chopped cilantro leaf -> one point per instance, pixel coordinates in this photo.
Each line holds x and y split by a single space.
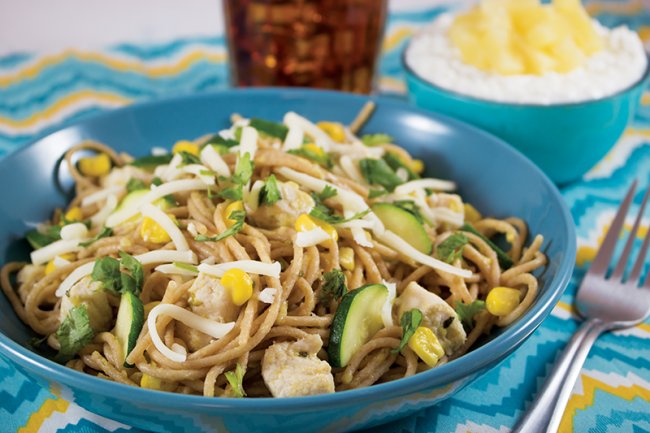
272 129
73 333
333 286
452 248
409 322
320 158
236 381
238 216
378 172
466 312
270 192
135 184
103 233
151 161
396 163
188 158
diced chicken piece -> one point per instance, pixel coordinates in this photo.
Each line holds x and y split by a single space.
207 298
284 212
437 315
92 295
120 176
27 274
292 369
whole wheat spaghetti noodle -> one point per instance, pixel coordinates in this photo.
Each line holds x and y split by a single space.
271 259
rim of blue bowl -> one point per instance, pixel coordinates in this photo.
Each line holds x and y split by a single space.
462 367
475 99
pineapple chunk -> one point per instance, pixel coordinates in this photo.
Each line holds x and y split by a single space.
509 37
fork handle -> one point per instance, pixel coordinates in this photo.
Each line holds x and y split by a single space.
545 413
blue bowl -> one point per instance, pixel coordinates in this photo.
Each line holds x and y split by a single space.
493 176
564 140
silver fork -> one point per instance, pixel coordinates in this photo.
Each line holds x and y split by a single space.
606 303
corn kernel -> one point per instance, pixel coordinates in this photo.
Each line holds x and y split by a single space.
239 284
502 301
471 214
153 382
95 166
151 231
235 205
315 149
426 346
51 266
346 258
334 129
73 215
417 166
186 146
305 223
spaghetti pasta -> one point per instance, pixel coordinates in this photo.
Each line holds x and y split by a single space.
257 253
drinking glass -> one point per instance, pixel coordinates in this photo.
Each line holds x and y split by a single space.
330 44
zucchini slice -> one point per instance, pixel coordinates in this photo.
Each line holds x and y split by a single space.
131 198
357 319
405 225
135 196
130 318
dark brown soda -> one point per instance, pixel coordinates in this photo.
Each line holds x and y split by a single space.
330 44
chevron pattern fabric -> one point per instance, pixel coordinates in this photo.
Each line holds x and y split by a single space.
39 94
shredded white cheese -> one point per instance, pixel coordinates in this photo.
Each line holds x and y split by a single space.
420 184
210 327
191 228
294 138
311 237
252 197
171 171
167 224
268 295
358 223
200 171
73 277
48 252
401 246
166 256
350 168
60 262
171 268
248 143
211 158
101 195
293 120
156 193
250 266
100 217
361 237
74 231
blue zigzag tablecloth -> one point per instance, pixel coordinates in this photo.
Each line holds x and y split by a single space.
38 94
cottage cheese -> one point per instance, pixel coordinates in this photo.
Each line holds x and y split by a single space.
620 64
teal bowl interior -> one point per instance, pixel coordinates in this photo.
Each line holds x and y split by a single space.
490 174
564 140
